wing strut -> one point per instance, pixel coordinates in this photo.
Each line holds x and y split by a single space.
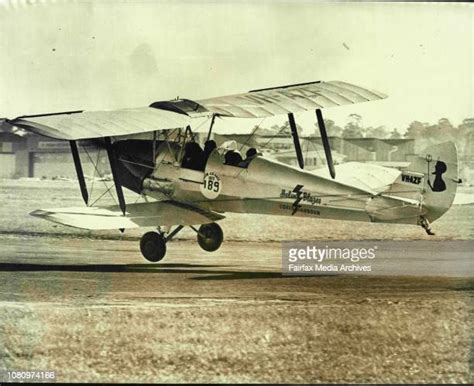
296 140
325 141
79 171
115 174
210 127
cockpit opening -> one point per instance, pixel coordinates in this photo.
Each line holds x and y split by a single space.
195 157
234 158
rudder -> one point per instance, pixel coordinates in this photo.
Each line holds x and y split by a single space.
437 166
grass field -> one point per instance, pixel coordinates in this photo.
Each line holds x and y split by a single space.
341 331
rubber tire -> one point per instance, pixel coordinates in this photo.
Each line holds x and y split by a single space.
213 237
153 246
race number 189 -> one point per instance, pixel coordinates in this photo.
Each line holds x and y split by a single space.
211 186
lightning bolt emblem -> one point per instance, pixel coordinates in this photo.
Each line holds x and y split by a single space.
296 204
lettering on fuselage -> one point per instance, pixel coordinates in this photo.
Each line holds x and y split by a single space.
314 212
299 196
411 179
303 196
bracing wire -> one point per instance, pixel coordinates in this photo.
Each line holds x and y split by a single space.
254 130
273 137
96 170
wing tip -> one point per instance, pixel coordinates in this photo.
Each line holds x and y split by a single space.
379 94
39 213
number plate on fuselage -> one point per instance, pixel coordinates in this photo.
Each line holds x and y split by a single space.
211 186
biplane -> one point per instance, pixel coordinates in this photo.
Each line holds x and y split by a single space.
194 184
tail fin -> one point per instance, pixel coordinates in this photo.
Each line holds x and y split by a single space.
435 171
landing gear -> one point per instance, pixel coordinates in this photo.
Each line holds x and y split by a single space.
425 224
153 246
210 237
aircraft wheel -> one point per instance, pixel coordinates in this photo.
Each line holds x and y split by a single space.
210 237
153 246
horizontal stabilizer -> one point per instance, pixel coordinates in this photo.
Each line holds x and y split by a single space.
365 176
149 214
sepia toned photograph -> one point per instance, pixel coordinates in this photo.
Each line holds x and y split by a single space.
236 192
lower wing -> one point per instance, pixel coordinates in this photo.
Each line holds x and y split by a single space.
163 213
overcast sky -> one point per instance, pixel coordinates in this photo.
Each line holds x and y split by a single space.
121 54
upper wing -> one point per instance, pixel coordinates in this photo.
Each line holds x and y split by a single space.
163 213
98 124
289 99
177 113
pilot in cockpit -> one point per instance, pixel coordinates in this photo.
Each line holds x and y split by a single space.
195 157
233 157
192 154
249 156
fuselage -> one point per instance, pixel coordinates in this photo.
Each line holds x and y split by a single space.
264 186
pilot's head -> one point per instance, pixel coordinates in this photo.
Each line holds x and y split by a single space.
252 152
210 145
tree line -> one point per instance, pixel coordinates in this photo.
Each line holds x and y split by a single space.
442 130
